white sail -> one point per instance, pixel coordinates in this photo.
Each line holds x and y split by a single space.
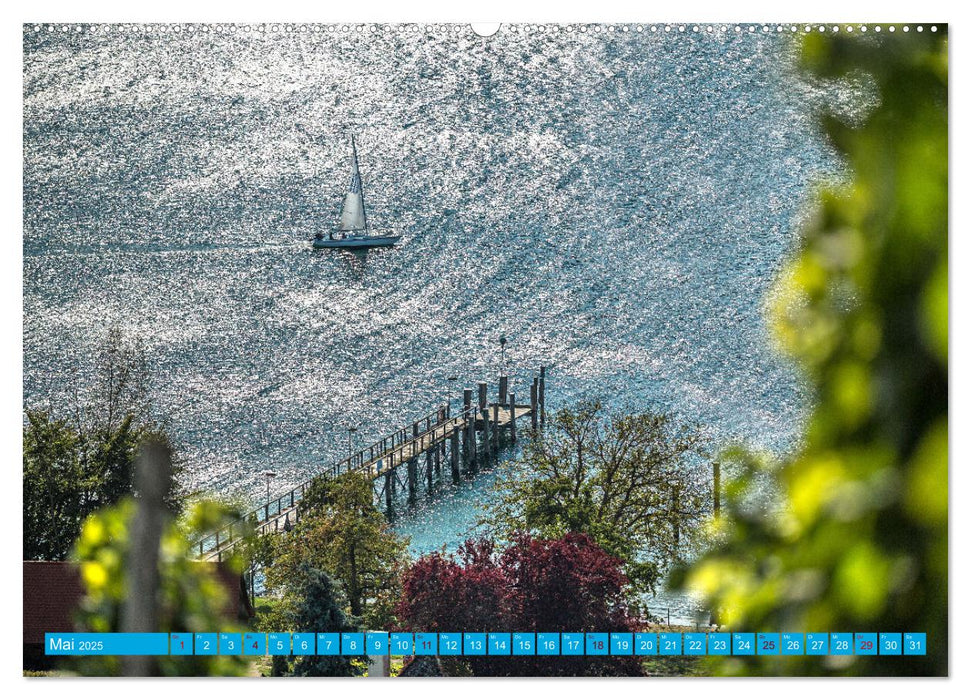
353 217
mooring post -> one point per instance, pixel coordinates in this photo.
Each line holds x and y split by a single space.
534 403
503 388
388 487
495 426
430 467
486 442
454 448
466 401
473 455
512 417
542 394
483 389
413 465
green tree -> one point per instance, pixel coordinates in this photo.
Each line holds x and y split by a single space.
313 603
52 487
341 532
861 540
84 460
635 482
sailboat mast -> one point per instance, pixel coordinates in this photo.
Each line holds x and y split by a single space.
357 169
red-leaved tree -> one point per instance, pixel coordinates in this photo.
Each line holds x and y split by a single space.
567 584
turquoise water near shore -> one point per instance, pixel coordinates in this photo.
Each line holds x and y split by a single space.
617 204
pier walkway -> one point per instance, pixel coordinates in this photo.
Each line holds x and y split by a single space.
404 460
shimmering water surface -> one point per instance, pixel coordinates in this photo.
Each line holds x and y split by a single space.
617 203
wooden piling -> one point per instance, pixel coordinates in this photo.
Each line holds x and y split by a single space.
542 394
466 400
388 487
512 417
503 388
486 443
413 467
495 426
483 392
454 448
534 403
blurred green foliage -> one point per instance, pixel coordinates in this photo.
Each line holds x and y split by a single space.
860 543
191 597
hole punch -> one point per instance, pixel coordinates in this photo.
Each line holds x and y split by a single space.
485 29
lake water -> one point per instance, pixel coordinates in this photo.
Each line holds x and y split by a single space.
616 203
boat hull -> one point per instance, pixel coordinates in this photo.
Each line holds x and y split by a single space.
363 242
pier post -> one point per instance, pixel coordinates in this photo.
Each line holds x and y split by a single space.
413 465
454 440
486 442
466 400
534 403
512 417
542 394
473 455
503 388
483 391
430 468
495 426
388 488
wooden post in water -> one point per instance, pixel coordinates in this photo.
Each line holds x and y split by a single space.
495 426
512 417
454 446
486 442
483 392
534 403
466 400
473 454
388 487
413 465
542 395
503 388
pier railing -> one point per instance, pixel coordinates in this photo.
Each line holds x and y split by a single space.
384 455
286 502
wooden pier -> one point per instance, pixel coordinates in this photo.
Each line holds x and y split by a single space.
406 460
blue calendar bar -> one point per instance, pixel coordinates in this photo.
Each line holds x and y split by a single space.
491 644
106 644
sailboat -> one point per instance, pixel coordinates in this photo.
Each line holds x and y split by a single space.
353 231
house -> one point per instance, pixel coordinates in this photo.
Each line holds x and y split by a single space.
53 590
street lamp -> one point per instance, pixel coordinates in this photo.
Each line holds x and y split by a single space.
350 441
268 475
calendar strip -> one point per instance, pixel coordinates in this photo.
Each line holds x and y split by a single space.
489 644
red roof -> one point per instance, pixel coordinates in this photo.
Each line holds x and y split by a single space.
52 591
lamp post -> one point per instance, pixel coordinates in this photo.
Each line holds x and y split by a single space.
268 475
350 443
